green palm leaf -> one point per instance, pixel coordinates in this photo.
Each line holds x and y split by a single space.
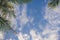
7 6
20 1
7 9
53 3
4 25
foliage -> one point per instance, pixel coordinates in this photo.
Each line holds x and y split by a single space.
7 8
53 3
4 25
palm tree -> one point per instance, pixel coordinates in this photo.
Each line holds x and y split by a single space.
53 3
7 9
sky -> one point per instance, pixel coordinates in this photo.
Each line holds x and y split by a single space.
35 21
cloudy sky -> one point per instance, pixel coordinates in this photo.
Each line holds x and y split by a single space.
35 21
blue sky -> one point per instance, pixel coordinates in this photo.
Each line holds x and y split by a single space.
34 21
37 9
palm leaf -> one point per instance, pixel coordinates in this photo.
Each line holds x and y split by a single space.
7 6
20 1
4 25
7 9
53 3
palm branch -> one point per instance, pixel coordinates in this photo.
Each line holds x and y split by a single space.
4 25
7 6
53 3
7 9
20 1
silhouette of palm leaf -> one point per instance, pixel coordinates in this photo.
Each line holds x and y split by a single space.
4 25
20 1
53 3
7 6
7 9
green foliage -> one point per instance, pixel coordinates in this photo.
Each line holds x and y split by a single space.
4 25
8 9
7 6
20 1
53 3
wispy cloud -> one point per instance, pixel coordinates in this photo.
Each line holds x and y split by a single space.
1 35
52 16
50 30
35 35
51 27
22 36
48 33
23 17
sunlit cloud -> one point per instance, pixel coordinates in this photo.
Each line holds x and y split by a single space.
51 37
23 16
10 39
52 16
50 33
49 30
35 35
20 36
1 35
23 36
51 27
13 23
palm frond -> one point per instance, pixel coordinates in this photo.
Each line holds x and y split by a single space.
8 9
20 1
4 25
7 6
53 3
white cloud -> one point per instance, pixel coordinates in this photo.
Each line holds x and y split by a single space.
10 39
52 16
51 37
31 20
23 36
13 23
20 36
51 28
1 35
50 33
35 36
23 17
17 9
26 36
47 34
